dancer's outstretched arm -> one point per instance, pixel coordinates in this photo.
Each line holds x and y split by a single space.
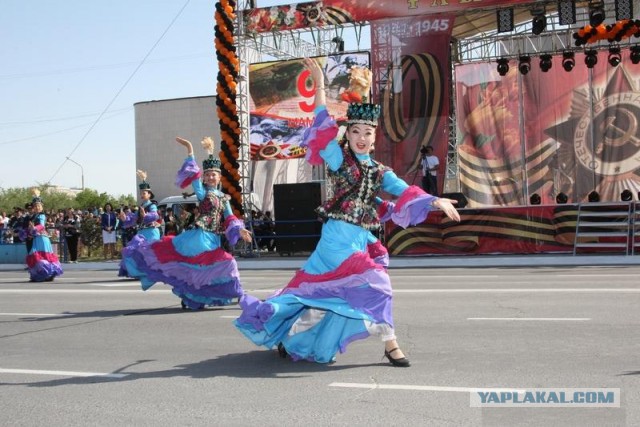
186 144
318 78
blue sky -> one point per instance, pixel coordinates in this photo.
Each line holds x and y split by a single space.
63 64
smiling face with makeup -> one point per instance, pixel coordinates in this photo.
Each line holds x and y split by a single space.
361 137
145 195
211 178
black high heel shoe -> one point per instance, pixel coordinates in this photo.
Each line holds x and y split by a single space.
402 362
282 351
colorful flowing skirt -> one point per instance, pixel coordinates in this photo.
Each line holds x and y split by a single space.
342 293
42 262
200 272
128 265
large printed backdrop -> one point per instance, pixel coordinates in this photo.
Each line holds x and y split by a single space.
282 102
546 133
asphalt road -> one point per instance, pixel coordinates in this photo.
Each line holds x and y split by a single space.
92 349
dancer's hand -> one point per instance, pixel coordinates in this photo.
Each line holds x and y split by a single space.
316 71
245 235
186 144
318 78
446 206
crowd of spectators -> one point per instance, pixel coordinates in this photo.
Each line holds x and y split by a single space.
76 232
72 231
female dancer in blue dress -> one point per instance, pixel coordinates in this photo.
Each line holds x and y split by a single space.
343 292
194 263
42 262
148 228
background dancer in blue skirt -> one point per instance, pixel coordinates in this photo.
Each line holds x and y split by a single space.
194 263
148 228
343 292
42 262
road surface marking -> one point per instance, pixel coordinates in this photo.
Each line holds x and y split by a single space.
421 387
534 319
82 291
61 373
397 291
35 314
519 290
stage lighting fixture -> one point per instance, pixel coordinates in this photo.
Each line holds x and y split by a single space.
525 64
593 197
503 66
568 61
596 13
591 58
624 10
626 196
566 12
539 21
535 199
546 62
635 54
614 56
561 198
505 20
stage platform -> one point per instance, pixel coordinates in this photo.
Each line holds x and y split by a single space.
539 229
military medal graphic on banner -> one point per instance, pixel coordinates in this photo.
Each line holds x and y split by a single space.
603 140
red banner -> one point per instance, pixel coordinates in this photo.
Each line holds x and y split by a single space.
334 12
285 17
410 62
372 10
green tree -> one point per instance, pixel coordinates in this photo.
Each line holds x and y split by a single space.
127 200
14 197
56 200
88 199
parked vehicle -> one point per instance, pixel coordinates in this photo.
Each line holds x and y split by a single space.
177 204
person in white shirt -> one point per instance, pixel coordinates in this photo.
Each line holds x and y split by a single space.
4 225
430 165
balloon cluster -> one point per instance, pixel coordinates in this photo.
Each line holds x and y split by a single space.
617 32
228 68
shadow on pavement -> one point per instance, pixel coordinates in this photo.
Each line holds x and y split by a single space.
254 364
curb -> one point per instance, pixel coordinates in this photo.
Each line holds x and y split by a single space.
294 263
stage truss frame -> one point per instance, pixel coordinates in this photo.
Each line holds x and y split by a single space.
316 41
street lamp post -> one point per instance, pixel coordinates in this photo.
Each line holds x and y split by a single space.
81 170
